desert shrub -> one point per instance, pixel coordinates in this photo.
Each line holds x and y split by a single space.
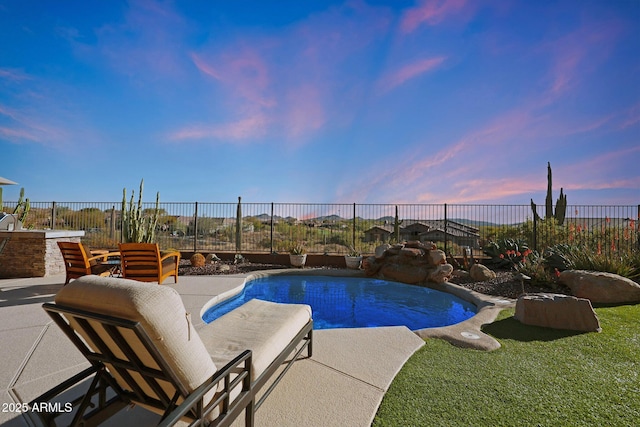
507 253
338 239
578 257
534 265
197 260
544 269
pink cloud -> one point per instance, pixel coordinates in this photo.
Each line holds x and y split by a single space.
578 53
631 117
246 128
610 160
503 129
17 134
305 111
425 177
409 71
205 67
431 12
13 75
244 72
25 126
564 69
420 178
298 79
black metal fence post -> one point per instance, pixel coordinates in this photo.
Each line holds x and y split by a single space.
195 229
239 226
353 238
112 225
535 231
121 226
271 229
53 215
446 237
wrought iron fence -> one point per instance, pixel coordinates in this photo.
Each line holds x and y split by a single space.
341 228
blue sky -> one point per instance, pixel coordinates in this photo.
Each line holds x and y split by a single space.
446 101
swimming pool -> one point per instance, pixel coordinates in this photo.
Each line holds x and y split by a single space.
354 302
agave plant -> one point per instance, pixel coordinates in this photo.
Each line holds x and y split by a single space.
507 253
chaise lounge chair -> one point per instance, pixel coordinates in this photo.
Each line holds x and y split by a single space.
145 263
144 350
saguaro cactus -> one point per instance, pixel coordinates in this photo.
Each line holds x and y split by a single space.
561 208
548 213
561 203
136 226
22 207
396 227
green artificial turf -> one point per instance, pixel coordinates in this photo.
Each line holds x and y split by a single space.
539 377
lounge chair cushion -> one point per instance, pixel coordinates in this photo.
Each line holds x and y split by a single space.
160 311
263 327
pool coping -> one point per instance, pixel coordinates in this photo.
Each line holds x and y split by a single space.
466 334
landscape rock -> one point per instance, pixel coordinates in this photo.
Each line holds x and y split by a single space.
441 274
393 250
211 258
557 311
404 273
437 257
411 252
480 273
371 265
412 262
460 274
413 244
380 250
601 287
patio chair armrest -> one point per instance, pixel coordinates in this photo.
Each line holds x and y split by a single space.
241 367
104 257
170 255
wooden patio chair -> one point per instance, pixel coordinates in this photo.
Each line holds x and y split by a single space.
144 351
145 263
79 261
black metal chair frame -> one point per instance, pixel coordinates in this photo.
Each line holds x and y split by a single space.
95 406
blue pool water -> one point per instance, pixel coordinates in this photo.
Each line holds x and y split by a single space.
350 302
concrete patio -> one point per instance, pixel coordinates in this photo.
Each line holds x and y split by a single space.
341 385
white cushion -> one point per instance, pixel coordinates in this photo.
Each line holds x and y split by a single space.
263 327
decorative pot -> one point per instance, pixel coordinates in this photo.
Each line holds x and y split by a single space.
297 260
353 262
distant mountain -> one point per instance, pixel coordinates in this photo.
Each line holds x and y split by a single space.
329 218
388 219
473 223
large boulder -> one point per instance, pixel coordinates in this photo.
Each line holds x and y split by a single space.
600 287
437 257
558 312
441 274
404 273
410 262
380 250
411 252
371 265
480 273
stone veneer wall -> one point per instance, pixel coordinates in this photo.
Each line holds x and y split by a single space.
33 253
